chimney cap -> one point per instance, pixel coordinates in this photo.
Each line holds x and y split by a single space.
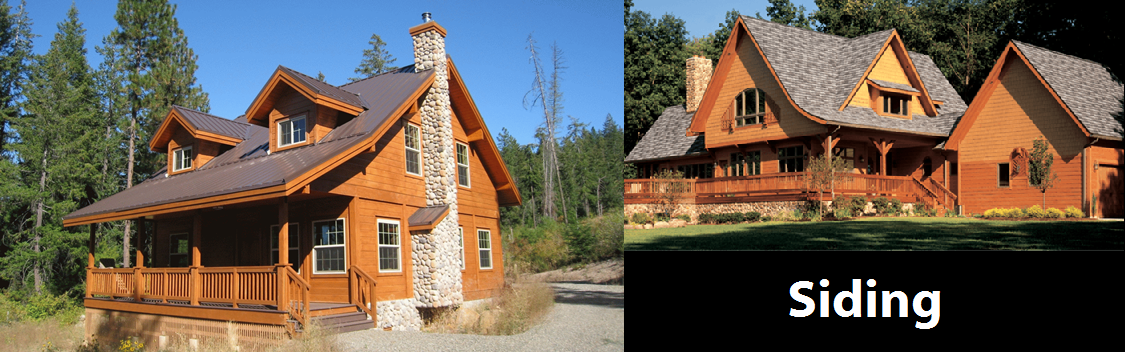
426 17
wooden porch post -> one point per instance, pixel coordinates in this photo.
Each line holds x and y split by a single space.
197 233
282 253
884 147
91 244
141 236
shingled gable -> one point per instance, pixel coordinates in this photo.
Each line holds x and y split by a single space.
666 139
201 126
1083 88
820 86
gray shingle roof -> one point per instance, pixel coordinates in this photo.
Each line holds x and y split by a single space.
667 138
899 86
820 70
1083 85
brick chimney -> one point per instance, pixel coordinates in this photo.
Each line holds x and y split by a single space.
698 75
435 257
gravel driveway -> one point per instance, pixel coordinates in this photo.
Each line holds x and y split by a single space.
586 317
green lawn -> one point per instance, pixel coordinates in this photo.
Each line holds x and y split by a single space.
886 234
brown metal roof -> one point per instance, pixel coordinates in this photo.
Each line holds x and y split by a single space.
249 166
428 217
210 123
325 88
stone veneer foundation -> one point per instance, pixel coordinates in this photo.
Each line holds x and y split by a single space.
437 270
399 315
693 210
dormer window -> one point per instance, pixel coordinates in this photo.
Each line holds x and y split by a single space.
181 159
896 105
291 131
749 106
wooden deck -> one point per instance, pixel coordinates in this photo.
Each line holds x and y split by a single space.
784 187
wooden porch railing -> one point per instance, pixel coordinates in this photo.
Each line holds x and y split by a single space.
937 193
362 291
794 184
229 285
297 295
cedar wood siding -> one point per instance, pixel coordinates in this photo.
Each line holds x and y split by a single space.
1019 110
749 70
888 68
386 191
1106 180
201 151
291 104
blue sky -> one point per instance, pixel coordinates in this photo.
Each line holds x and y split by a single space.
704 16
240 43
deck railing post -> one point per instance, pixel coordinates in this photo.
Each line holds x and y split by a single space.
234 287
138 289
193 286
282 288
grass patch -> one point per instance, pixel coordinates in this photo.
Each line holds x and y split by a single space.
44 335
519 306
886 234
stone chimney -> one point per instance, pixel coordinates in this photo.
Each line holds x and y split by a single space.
698 76
435 257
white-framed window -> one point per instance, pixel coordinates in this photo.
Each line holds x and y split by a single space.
181 159
328 247
413 149
294 245
179 251
484 242
463 164
390 259
461 243
291 131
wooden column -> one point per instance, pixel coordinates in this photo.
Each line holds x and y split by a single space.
883 146
283 254
197 234
142 233
91 244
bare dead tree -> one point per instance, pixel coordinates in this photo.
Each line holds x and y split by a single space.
549 96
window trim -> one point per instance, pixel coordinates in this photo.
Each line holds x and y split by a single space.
481 249
178 154
292 225
172 245
906 101
290 120
344 226
468 171
761 108
418 150
800 158
380 245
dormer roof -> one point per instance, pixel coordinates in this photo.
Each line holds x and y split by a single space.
200 125
318 92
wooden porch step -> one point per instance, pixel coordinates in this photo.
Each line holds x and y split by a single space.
317 309
339 317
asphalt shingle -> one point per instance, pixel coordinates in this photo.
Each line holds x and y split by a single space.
1083 85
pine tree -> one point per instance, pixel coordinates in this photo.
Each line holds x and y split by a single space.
53 143
15 53
375 60
157 69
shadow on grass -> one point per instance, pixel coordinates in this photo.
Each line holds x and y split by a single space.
886 234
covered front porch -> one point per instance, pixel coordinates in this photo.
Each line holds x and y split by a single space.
280 291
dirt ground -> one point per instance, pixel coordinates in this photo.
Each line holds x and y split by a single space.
606 272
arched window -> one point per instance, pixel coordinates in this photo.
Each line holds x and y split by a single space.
749 106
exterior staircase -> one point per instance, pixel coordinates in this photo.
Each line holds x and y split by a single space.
337 317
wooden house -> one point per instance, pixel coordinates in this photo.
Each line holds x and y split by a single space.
781 94
369 204
1033 93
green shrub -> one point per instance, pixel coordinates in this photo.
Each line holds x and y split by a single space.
1035 212
1072 212
752 216
852 206
991 213
1016 213
684 217
896 207
882 205
841 213
641 218
1055 213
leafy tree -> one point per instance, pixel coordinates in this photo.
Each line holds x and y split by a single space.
375 60
53 141
654 70
822 173
1039 172
671 190
156 69
783 12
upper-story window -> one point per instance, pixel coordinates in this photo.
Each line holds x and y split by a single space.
181 159
896 105
413 150
749 106
291 131
463 164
